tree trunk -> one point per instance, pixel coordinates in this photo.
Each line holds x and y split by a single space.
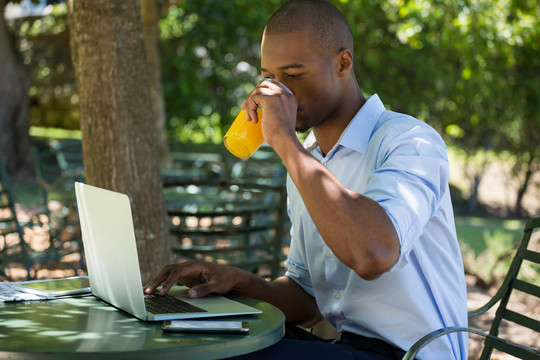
14 85
518 208
150 17
118 131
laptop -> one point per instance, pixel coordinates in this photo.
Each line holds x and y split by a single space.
113 265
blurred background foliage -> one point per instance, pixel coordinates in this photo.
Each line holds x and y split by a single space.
470 68
43 43
210 53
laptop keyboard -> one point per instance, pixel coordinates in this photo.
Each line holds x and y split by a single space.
158 304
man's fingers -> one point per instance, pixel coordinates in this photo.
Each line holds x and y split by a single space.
256 98
252 115
168 276
156 281
251 108
168 284
201 277
204 289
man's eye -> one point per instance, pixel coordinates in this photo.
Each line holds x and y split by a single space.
294 76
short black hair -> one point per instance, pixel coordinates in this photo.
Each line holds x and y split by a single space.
329 31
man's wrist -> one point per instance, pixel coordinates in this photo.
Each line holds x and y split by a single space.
287 145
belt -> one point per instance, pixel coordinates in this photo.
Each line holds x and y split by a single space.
364 343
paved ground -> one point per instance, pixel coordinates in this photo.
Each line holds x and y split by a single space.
519 303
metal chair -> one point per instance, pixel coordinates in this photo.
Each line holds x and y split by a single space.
264 167
197 165
228 221
14 248
526 260
57 165
70 158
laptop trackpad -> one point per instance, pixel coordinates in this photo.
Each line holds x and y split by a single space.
216 304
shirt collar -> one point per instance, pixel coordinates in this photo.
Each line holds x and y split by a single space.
357 134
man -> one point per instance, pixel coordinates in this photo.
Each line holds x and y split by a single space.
373 247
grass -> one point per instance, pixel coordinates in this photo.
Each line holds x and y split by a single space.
54 133
28 193
479 233
488 245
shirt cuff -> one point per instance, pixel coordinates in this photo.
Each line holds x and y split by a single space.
300 275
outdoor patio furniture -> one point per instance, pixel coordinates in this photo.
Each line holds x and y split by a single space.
197 164
522 277
70 158
16 249
57 165
228 221
264 167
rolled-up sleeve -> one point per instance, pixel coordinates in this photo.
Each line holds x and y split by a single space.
296 262
409 179
299 274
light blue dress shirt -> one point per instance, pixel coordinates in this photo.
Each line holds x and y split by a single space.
401 163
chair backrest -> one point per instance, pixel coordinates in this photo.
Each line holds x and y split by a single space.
264 167
57 165
70 158
59 238
12 244
522 281
211 165
228 221
46 169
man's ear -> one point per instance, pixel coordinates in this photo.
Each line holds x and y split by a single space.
345 63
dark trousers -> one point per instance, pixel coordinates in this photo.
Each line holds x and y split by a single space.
300 344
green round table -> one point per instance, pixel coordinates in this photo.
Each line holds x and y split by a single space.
88 328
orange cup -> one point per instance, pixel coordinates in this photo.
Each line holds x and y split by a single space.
244 137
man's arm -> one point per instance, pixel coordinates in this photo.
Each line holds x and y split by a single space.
357 229
298 306
206 278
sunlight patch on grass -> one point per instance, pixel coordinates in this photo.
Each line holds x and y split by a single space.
488 245
54 133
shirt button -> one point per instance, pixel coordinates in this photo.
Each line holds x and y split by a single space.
328 254
338 295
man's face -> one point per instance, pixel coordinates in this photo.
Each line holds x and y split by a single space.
312 78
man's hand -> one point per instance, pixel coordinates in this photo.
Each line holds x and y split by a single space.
201 277
279 108
206 278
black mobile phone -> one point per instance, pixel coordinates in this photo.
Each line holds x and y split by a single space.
206 326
